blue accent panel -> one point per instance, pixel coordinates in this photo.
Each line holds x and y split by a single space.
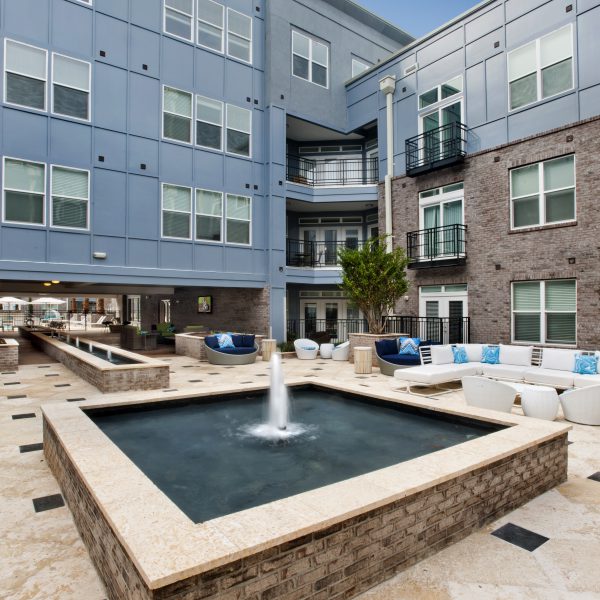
475 90
109 202
178 63
146 14
209 257
111 38
497 88
366 106
208 167
176 255
77 151
432 52
143 152
115 8
544 19
259 233
516 8
588 26
238 83
27 19
484 47
145 50
258 148
484 23
23 244
238 260
487 136
176 164
238 173
258 33
527 122
142 253
210 71
586 4
441 70
110 97
261 264
114 248
113 147
25 134
143 207
589 101
144 92
65 36
67 247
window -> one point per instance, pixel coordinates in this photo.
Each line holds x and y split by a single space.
209 215
441 92
239 35
358 66
544 312
310 59
176 211
210 25
209 123
543 193
239 218
239 128
177 115
25 75
179 16
70 198
541 68
70 87
24 191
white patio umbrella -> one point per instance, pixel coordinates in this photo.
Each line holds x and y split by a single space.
12 300
48 300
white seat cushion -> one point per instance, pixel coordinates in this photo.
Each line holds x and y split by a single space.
585 380
442 355
553 377
513 372
435 374
474 351
558 359
516 355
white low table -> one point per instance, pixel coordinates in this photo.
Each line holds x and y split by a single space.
326 350
538 401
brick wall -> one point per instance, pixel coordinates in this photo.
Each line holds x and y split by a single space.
342 560
9 357
538 253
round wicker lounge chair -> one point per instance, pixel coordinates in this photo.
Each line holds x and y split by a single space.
244 355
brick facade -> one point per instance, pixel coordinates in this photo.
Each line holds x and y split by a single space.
496 256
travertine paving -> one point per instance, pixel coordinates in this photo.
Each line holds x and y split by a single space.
42 557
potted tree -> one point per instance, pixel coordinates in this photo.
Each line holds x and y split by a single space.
374 280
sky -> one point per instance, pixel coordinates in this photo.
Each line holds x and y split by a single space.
418 17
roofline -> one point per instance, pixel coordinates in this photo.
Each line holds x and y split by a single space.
420 40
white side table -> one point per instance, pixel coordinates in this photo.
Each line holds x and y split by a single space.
539 402
326 350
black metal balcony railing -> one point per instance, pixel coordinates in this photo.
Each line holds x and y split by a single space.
443 330
325 331
332 172
437 247
436 149
300 253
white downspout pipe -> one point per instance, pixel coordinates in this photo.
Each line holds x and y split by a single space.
388 86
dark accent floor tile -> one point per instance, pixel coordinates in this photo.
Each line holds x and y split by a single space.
16 396
311 375
317 369
569 442
75 399
8 373
48 502
31 447
187 366
262 375
214 373
230 367
246 381
595 476
13 383
51 375
43 366
519 536
360 377
171 390
62 385
364 385
196 380
172 372
23 416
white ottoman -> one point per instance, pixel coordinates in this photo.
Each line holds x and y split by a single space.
539 402
326 350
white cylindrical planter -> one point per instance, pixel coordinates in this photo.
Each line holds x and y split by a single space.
269 347
326 350
363 361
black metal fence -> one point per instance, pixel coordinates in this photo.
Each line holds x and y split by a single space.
435 244
443 330
324 331
342 171
300 253
10 320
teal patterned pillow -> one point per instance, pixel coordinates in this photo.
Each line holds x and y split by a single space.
409 346
490 355
225 340
586 364
460 355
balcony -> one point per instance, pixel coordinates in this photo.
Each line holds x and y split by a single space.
436 149
315 255
443 330
332 172
437 247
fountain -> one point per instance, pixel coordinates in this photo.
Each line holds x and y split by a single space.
109 355
278 396
77 342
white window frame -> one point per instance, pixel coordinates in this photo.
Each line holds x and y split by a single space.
45 80
538 69
438 106
163 111
542 195
88 91
192 27
4 189
222 124
358 61
542 313
249 221
88 216
190 213
241 131
310 59
248 62
222 217
222 28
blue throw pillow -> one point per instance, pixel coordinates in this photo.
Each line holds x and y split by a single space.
238 340
385 347
460 355
225 340
586 364
409 346
248 341
211 341
490 355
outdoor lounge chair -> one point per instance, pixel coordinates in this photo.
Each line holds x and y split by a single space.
488 393
306 349
341 351
582 405
244 352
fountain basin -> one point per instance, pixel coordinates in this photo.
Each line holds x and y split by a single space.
343 537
